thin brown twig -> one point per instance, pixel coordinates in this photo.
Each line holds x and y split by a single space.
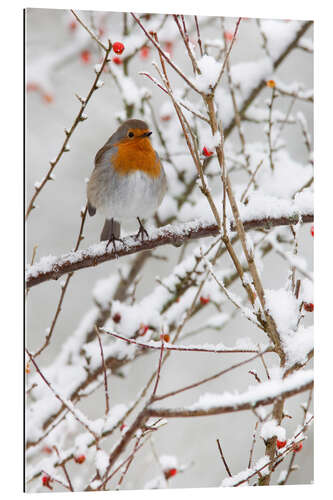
270 124
264 364
198 35
168 347
251 181
63 466
253 444
164 55
68 133
130 460
63 289
93 36
107 404
158 370
227 55
223 459
57 395
184 35
205 380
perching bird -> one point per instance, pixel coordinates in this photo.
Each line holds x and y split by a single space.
128 179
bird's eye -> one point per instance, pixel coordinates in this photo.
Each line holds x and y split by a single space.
130 134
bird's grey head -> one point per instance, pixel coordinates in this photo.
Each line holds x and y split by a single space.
131 129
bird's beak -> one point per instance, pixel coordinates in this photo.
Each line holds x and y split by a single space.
146 134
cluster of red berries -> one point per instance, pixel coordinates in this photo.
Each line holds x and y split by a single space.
308 306
118 48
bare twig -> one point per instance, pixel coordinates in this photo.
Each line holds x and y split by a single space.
223 459
63 289
93 36
227 55
68 133
164 55
107 404
169 347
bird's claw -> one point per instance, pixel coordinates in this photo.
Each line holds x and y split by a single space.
113 239
142 231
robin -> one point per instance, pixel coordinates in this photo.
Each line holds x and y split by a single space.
128 180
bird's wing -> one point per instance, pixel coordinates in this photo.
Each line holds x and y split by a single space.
102 155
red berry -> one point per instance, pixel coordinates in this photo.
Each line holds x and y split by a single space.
170 472
297 447
144 52
80 459
72 25
312 230
32 87
166 337
228 36
86 56
118 47
308 306
46 480
47 450
116 318
206 152
281 444
117 60
48 98
169 47
271 84
204 300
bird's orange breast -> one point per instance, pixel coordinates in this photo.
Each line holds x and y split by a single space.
133 155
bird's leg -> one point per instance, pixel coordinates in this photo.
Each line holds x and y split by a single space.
141 231
113 238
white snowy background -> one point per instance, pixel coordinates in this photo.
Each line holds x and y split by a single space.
55 64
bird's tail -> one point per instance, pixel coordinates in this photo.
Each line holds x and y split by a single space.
111 228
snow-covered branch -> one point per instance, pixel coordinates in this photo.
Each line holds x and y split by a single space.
261 395
54 267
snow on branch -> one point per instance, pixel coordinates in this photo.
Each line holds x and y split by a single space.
53 267
260 395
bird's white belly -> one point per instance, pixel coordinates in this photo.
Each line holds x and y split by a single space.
134 195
